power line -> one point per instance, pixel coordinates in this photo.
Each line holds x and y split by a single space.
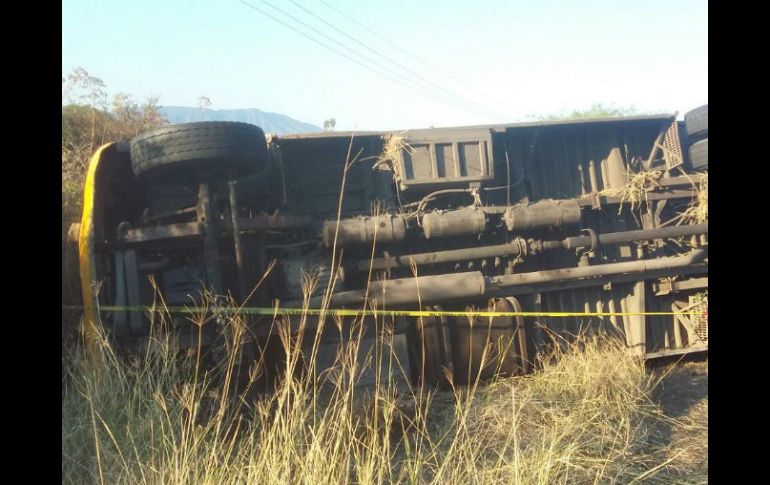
410 54
430 82
346 56
427 89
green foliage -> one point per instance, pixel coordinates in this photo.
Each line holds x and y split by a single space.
597 110
87 123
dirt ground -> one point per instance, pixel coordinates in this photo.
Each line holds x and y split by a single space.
683 396
684 389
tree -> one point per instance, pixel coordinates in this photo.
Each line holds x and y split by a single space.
597 110
600 110
131 119
204 102
80 87
330 124
88 122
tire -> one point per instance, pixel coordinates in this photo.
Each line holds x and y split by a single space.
200 149
696 122
699 154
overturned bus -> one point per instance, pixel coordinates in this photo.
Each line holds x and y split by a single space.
553 226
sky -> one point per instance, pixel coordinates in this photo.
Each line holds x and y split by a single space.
388 65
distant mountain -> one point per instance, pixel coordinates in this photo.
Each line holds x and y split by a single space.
269 122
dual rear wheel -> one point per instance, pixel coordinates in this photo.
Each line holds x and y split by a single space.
696 124
198 151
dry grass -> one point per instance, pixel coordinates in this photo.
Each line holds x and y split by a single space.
391 154
588 416
640 183
698 211
636 189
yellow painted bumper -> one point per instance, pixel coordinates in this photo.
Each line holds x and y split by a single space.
87 255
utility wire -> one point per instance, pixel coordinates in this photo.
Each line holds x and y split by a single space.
430 82
346 56
427 89
411 55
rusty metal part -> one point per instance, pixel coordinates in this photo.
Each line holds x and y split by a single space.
136 322
628 236
668 286
300 271
408 291
469 285
260 222
545 214
690 179
514 248
120 320
445 158
264 222
149 218
468 221
699 319
363 230
156 265
672 148
238 245
617 171
596 201
657 146
433 195
207 220
519 247
129 235
594 238
490 346
693 350
692 317
525 352
605 281
431 348
567 274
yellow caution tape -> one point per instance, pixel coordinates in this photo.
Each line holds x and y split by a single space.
369 313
